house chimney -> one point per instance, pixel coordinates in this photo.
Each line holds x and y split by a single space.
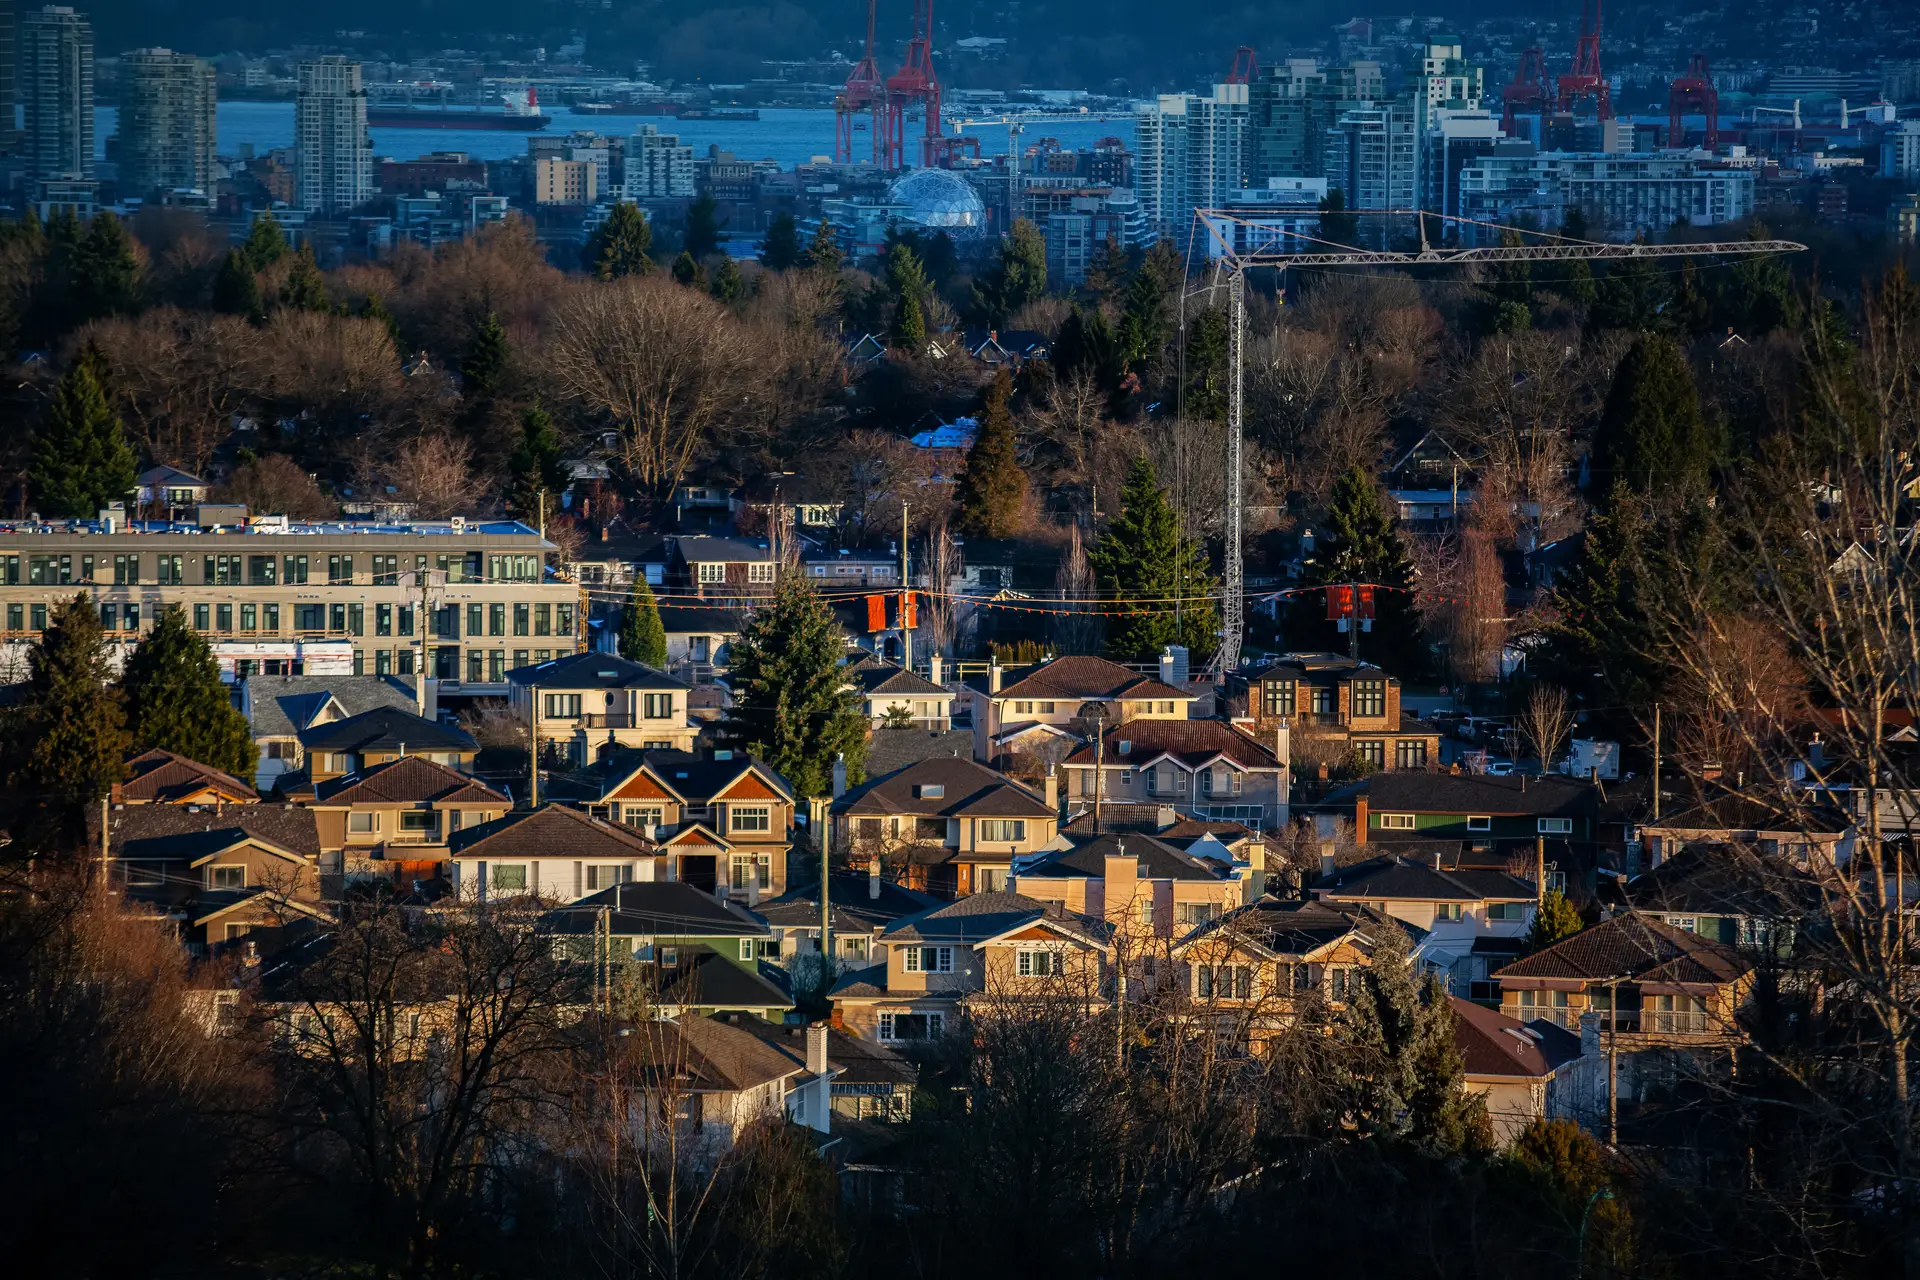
817 1048
993 676
839 774
1283 748
1166 665
1165 816
1360 820
1053 790
1119 883
873 878
936 669
1436 859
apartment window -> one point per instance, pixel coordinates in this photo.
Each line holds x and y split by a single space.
1370 698
1279 697
1194 913
713 572
1554 826
752 873
1003 829
10 570
519 657
1410 753
383 662
337 619
202 615
1396 822
642 815
496 665
306 617
522 620
476 619
562 706
405 660
657 706
755 818
563 619
220 570
293 571
223 617
511 877
496 619
476 665
1450 912
1373 751
229 877
1509 912
168 571
1479 822
404 619
16 617
126 568
359 662
1039 964
383 620
543 619
606 877
249 618
270 618
928 959
262 571
446 622
363 823
356 619
109 617
386 571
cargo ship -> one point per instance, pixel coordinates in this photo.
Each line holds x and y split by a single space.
518 112
678 110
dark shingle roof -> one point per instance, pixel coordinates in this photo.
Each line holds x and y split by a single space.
1397 878
873 677
656 909
707 981
1634 946
408 780
1718 879
706 548
698 776
1080 677
1192 742
283 705
387 729
967 787
149 828
1492 1044
1416 792
891 749
1159 860
986 915
698 619
593 671
854 906
161 777
1287 927
707 1055
551 831
868 982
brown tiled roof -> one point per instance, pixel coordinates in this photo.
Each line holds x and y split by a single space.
1492 1044
1288 927
408 780
969 788
154 827
1158 861
160 777
1191 742
987 915
551 831
1086 678
1633 946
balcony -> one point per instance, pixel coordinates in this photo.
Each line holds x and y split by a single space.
621 720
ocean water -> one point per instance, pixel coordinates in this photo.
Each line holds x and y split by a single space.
788 136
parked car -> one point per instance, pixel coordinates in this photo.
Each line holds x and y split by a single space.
1500 768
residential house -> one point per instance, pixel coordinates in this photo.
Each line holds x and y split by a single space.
863 905
170 487
161 777
619 553
1006 348
375 737
590 705
1025 710
722 568
985 946
852 567
1336 710
698 636
713 1082
1730 893
280 708
1202 768
1654 988
720 818
948 826
393 821
1233 843
800 500
892 696
1809 835
1467 921
1479 809
1526 1071
1252 969
685 950
554 851
1144 888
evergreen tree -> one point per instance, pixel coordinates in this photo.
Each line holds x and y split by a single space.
621 246
823 251
703 227
1087 344
1555 921
485 362
992 490
791 706
535 465
1143 556
688 272
1207 369
236 290
1689 315
781 249
1399 1069
305 289
1632 295
1363 546
104 273
728 285
643 638
81 461
266 243
1143 323
1652 435
175 701
907 285
1018 275
69 724
1107 276
376 309
1760 296
1337 226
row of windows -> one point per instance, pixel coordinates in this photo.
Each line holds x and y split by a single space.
927 959
1476 822
229 569
567 706
1235 981
714 571
1368 698
388 619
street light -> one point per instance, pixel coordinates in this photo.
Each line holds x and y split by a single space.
1580 1263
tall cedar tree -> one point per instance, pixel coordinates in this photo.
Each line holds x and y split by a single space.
1555 921
176 702
535 464
781 249
484 363
1144 323
643 637
992 489
266 244
81 461
236 290
1207 369
1337 226
104 273
1143 556
1632 296
305 289
1363 546
1652 436
621 246
1087 345
823 251
791 706
907 284
1401 1072
703 227
69 723
376 309
728 285
1018 275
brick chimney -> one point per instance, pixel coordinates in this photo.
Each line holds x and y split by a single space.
1360 820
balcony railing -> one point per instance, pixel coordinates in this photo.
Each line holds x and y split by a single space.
622 720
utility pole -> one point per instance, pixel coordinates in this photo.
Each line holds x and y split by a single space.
1353 621
1540 869
103 846
1613 1064
906 593
533 746
821 835
1656 762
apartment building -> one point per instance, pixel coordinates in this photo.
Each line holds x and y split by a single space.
1192 154
333 148
462 601
55 61
166 122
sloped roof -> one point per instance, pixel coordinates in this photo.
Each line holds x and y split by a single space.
698 619
161 777
1397 878
1287 927
1492 1044
170 831
706 548
869 983
408 780
1159 860
165 475
708 981
1417 792
655 909
981 916
1083 678
891 749
1191 742
551 831
1635 946
704 1054
593 671
873 677
284 705
1719 879
387 729
854 905
699 776
969 789
1721 808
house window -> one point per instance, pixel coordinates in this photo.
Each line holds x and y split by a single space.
1479 822
1003 829
1046 708
746 948
563 706
1322 699
1373 751
713 572
657 706
1343 983
363 823
1688 923
912 1026
1301 978
1369 698
229 877
1410 753
760 571
1396 822
510 877
854 948
1554 826
752 872
1023 708
1192 913
1510 912
416 821
756 818
928 960
1039 964
1447 911
990 880
1279 697
642 815
605 877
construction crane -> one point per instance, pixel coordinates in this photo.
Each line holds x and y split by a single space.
1246 65
916 81
865 93
1793 111
1694 89
1268 247
1527 92
1586 80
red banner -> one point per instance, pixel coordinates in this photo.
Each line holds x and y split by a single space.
1339 601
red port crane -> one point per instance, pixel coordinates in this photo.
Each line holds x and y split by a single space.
1693 90
865 93
1526 92
916 81
1586 80
1246 65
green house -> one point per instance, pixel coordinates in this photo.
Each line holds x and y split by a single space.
1472 807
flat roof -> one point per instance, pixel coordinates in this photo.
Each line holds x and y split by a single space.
276 529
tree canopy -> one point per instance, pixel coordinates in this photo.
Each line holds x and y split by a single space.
81 461
992 491
1144 556
175 700
643 638
69 725
791 706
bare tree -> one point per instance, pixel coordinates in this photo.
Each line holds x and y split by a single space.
1075 631
275 483
939 619
179 377
433 471
1545 721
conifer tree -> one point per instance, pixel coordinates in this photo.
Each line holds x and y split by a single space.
1143 323
643 637
703 227
1363 546
1632 295
621 246
1107 276
1652 435
1018 275
81 461
485 362
728 285
1554 921
791 706
104 273
823 251
781 249
305 289
1143 556
236 289
688 272
1337 226
907 285
70 726
376 309
535 464
992 490
175 701
266 244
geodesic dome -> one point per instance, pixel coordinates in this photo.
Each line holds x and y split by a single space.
940 200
